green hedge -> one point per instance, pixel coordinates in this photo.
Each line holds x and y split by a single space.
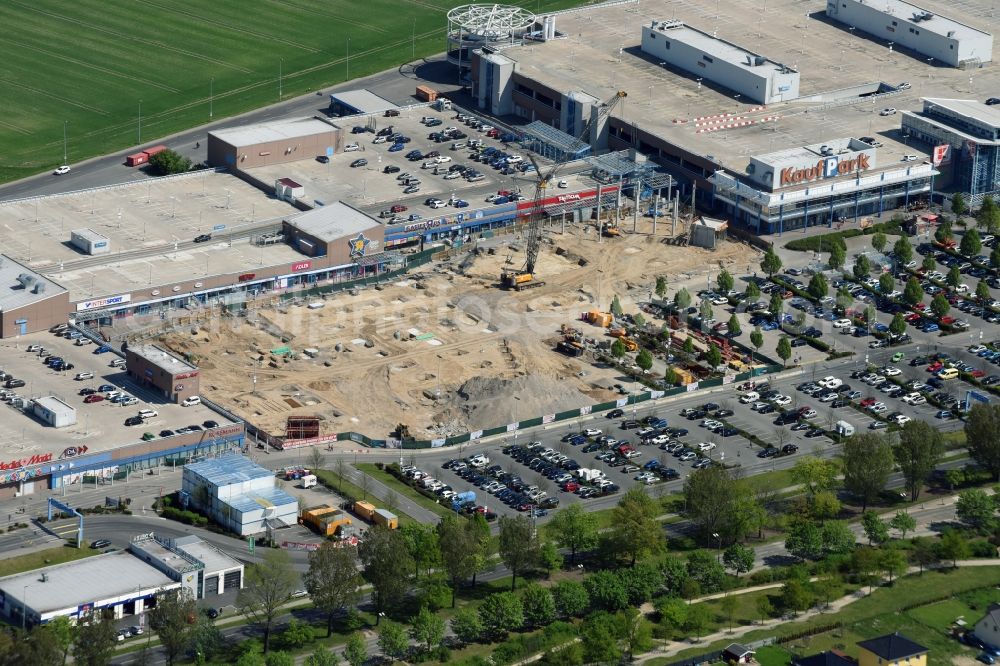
824 242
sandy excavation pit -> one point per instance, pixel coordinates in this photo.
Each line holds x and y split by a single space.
442 350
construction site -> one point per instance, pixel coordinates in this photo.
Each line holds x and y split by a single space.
444 351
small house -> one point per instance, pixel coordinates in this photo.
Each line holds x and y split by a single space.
736 653
828 658
891 650
987 629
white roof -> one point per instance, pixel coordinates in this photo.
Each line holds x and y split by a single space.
713 46
18 284
970 108
274 131
161 358
940 25
332 222
55 405
364 101
89 234
213 558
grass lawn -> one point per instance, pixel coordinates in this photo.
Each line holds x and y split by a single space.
773 655
43 558
96 68
333 481
407 491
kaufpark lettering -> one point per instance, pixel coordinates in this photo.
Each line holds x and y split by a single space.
36 459
825 168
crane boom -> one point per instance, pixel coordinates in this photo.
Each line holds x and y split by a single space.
525 278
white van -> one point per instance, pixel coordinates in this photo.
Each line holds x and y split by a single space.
148 414
84 375
316 305
191 401
750 396
309 480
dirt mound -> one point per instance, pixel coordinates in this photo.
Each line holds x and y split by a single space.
320 386
486 401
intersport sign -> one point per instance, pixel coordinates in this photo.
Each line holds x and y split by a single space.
828 167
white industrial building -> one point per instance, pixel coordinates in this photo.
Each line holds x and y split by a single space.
238 494
754 77
123 582
904 24
89 241
54 412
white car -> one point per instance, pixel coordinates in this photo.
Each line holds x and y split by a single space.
830 382
706 446
878 408
842 323
452 175
591 432
888 111
782 400
191 401
909 158
442 159
148 414
749 397
892 372
64 169
562 184
437 203
902 419
351 147
86 374
710 423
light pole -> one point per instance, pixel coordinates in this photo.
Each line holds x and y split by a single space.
140 121
348 58
24 606
65 152
211 97
718 545
413 41
281 64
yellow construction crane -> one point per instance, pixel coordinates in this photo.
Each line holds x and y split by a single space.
525 278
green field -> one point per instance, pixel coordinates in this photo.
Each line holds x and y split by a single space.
89 66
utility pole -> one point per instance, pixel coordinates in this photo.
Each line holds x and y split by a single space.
281 64
211 97
140 121
65 152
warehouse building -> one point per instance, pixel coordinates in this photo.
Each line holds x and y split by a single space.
338 231
89 241
29 302
275 142
755 77
927 33
238 494
963 136
152 366
53 411
198 566
354 102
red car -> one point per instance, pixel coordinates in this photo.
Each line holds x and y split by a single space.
977 373
398 208
920 306
97 397
571 486
493 133
946 320
912 317
868 402
935 366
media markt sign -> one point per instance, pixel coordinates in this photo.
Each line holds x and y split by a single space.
828 167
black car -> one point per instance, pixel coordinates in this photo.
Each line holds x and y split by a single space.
801 426
815 432
677 432
615 413
668 473
769 452
993 100
166 433
214 612
710 406
786 418
360 162
87 391
210 424
789 449
202 238
766 409
391 169
322 159
799 342
723 413
729 431
133 421
840 402
100 543
629 425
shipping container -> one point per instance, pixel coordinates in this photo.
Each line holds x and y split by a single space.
386 518
136 159
155 149
325 519
426 94
364 509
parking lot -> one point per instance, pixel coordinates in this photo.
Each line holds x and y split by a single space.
100 425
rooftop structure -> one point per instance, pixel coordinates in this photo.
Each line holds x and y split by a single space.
476 26
228 470
332 222
351 102
21 286
204 552
893 647
161 358
278 130
926 32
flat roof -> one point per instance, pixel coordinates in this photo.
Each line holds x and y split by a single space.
602 54
363 100
970 108
89 234
18 284
55 405
938 24
333 221
277 130
259 499
713 46
799 153
162 358
213 558
228 469
162 553
83 581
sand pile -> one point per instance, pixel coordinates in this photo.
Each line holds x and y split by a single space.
488 402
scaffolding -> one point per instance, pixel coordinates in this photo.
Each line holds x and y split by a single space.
552 143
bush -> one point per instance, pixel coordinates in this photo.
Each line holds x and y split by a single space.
168 162
982 549
824 242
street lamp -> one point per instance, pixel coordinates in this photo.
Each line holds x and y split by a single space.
718 545
281 64
211 97
348 58
24 606
140 121
65 152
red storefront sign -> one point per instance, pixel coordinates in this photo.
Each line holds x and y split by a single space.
186 375
246 276
566 198
24 462
301 266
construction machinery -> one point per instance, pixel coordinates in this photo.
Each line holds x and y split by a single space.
525 278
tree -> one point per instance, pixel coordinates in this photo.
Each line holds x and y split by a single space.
95 641
618 348
458 551
913 293
483 538
917 452
827 588
784 349
206 639
356 650
392 640
868 462
925 552
644 359
499 613
570 598
818 286
549 558
958 206
804 540
815 474
862 266
321 656
943 233
682 299
764 608
982 436
940 305
795 596
898 325
971 244
61 631
689 345
989 214
387 566
864 565
427 629
713 356
929 263
332 580
739 558
838 253
728 605
775 305
902 250
466 625
422 545
574 528
975 508
837 537
771 263
725 282
994 258
616 307
705 310
167 162
661 286
606 590
903 522
757 338
599 635
518 545
706 570
953 546
634 526
734 325
879 241
752 292
269 584
954 277
824 505
640 320
170 620
875 528
709 495
539 606
698 618
983 291
886 282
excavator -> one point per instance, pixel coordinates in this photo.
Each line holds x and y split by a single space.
525 278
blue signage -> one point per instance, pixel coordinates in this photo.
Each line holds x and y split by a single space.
329 151
218 227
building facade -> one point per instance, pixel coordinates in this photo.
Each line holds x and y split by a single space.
152 366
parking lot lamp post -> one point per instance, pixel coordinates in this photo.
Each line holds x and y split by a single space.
516 425
718 545
211 97
24 606
65 151
140 121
